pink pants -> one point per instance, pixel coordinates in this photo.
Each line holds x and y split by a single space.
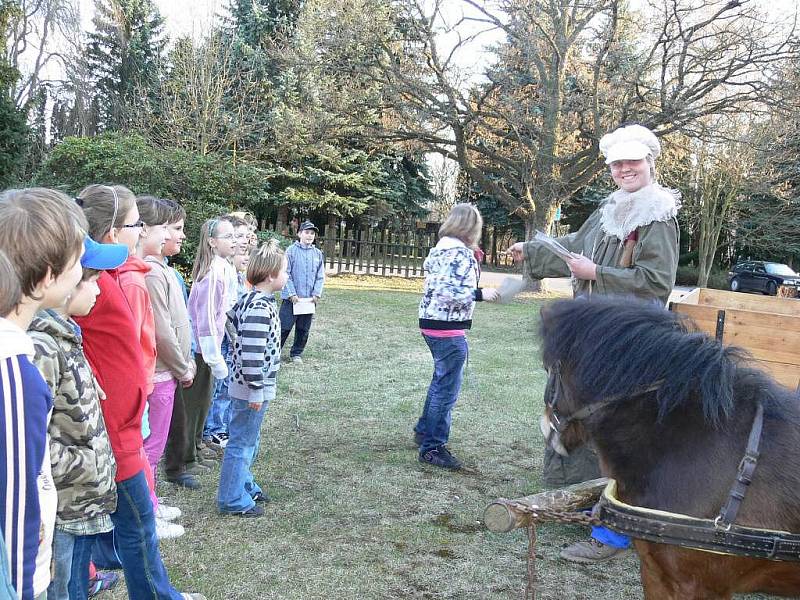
160 401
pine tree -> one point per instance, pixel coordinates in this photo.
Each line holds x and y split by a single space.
125 55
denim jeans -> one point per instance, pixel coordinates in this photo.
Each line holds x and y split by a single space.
135 541
449 355
218 412
236 484
63 543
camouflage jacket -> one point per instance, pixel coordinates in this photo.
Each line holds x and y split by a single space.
80 451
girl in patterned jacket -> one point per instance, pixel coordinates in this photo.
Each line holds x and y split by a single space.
445 313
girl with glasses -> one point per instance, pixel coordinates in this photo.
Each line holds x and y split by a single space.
209 300
119 367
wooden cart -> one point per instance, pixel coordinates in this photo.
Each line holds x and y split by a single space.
767 327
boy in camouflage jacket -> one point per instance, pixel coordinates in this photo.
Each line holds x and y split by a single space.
83 466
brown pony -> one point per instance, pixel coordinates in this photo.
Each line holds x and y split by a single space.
672 435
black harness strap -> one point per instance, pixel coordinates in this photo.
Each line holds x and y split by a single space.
698 534
747 466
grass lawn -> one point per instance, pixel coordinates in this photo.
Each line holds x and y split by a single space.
354 515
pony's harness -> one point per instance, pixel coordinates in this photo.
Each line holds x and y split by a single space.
720 535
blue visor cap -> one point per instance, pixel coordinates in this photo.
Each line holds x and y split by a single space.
102 256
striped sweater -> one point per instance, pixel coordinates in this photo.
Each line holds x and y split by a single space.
26 403
257 349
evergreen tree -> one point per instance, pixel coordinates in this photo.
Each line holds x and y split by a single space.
124 53
13 126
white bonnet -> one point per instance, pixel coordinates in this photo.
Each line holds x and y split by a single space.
632 142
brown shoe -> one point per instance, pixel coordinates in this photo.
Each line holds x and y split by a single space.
197 468
591 552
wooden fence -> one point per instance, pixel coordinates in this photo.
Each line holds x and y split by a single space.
376 252
392 253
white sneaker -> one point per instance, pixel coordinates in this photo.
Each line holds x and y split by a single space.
297 360
167 531
168 513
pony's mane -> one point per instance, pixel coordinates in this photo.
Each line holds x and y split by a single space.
621 346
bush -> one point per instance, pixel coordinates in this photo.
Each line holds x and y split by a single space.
177 174
717 279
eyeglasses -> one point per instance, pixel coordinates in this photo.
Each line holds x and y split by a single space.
227 236
134 225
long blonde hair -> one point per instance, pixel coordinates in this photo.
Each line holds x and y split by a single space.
205 253
464 222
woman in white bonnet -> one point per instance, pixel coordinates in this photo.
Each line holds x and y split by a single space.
628 246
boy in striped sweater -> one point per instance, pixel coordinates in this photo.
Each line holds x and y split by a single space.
256 360
41 234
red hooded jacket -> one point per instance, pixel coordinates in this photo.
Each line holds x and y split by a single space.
110 337
132 282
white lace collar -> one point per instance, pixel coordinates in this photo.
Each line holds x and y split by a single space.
624 211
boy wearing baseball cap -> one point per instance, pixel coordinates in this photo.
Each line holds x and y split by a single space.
306 270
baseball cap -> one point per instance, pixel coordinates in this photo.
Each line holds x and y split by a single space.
632 142
102 256
307 225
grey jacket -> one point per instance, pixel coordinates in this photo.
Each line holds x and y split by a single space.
306 269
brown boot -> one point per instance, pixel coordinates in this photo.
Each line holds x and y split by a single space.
591 552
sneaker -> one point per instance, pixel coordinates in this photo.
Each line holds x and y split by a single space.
209 453
167 531
441 457
186 480
219 439
197 468
102 581
297 360
591 551
188 596
167 513
250 513
262 498
418 437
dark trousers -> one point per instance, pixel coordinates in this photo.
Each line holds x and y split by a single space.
301 323
174 451
196 401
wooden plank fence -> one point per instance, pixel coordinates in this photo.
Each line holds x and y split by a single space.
378 252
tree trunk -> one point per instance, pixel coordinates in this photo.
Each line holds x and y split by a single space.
282 224
330 234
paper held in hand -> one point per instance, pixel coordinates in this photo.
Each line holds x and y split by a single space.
510 287
554 247
304 306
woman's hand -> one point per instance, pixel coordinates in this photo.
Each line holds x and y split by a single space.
582 268
516 251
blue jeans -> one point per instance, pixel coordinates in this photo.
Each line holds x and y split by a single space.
135 542
449 355
237 487
218 412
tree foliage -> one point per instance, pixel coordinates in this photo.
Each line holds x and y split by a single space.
124 55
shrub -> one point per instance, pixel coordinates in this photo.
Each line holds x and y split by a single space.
717 279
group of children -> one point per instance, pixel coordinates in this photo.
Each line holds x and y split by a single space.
107 366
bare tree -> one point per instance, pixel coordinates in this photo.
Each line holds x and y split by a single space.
203 103
36 39
567 72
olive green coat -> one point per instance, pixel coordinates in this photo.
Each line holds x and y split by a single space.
651 276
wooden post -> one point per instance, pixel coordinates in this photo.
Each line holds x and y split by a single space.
502 516
282 224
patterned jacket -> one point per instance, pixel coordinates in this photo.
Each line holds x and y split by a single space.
257 349
451 286
80 451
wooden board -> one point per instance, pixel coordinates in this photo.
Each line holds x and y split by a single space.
767 327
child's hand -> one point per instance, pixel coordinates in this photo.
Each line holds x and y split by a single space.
490 294
187 383
516 252
254 405
293 299
315 299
